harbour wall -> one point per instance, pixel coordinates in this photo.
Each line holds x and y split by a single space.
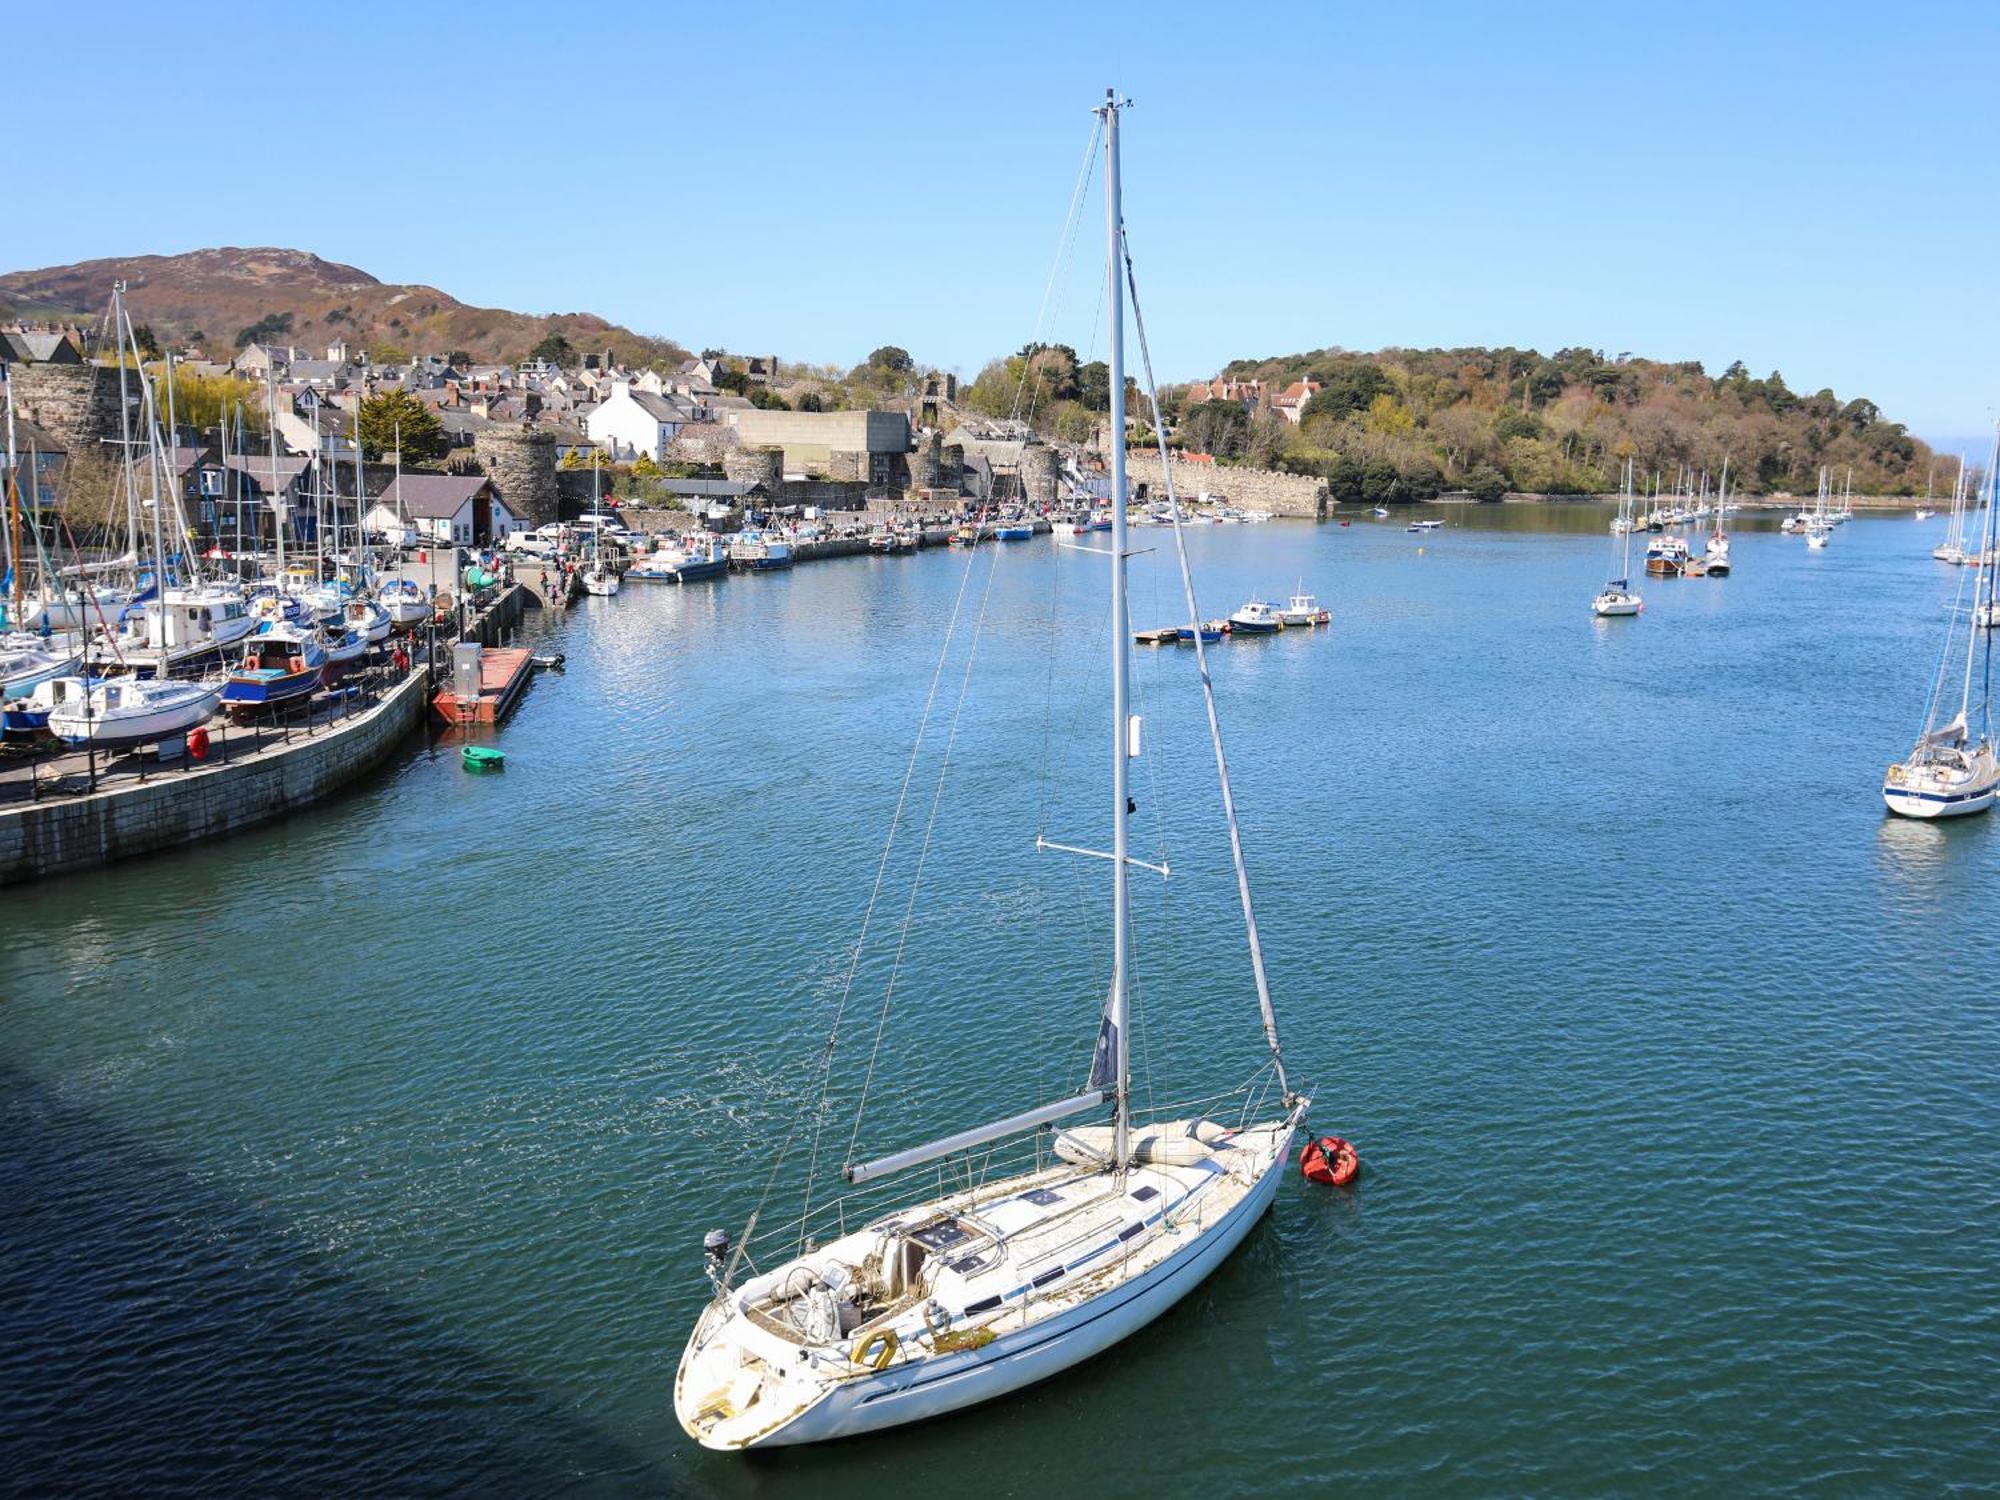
185 807
1264 489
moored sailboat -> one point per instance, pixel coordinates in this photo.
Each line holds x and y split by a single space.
1952 770
934 1306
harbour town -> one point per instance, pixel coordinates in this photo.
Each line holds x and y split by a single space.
716 905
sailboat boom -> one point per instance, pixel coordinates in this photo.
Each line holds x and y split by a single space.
965 1140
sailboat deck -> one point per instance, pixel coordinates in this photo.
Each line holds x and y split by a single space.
952 1275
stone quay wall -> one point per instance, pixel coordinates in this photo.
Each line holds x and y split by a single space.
184 807
1262 489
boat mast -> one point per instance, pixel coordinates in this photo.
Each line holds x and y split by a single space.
277 509
1122 729
14 514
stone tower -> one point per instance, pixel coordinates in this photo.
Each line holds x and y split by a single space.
521 462
78 404
1040 466
765 466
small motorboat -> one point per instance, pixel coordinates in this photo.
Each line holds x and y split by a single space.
1925 515
27 716
1330 1161
1424 526
1667 557
1211 632
1256 618
1013 531
134 711
1303 609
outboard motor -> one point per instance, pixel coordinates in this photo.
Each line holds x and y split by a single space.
715 1255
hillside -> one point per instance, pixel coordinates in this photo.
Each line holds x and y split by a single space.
1405 423
212 297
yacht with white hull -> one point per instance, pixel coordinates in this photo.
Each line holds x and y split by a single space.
1953 770
945 1303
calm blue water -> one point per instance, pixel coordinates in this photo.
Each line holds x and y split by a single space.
372 1151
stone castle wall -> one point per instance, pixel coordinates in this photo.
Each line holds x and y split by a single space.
1262 489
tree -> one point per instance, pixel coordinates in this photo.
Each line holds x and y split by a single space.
733 381
555 349
1486 482
889 357
811 401
267 327
643 467
1218 427
149 345
459 359
1348 388
1093 386
765 399
398 417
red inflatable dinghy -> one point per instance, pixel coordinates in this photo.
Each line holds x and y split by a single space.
1329 1160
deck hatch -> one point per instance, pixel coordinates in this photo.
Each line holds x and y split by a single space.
1042 1197
941 1236
1131 1229
1145 1193
1046 1277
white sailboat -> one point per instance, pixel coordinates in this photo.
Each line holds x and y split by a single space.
1952 770
599 577
1617 598
939 1304
1952 548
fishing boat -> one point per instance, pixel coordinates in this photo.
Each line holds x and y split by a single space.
1303 609
935 1305
1013 531
282 663
1256 617
183 628
1617 599
760 552
1952 770
121 711
1666 556
695 557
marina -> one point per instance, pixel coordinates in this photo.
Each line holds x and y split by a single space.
817 847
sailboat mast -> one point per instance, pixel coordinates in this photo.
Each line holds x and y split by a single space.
1121 656
271 420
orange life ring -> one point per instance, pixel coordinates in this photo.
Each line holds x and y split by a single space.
1329 1160
296 664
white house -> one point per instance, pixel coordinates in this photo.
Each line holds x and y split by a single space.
445 508
628 422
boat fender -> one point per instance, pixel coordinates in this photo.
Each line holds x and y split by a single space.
936 1318
868 1354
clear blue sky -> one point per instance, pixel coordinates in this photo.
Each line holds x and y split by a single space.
1802 186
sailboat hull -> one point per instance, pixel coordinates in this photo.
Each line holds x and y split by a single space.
1914 804
917 1390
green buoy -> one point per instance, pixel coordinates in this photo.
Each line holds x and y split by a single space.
482 758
